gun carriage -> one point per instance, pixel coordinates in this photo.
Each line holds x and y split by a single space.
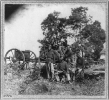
14 55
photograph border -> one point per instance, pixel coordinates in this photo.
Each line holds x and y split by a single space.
3 2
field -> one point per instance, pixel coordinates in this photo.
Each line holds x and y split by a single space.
22 83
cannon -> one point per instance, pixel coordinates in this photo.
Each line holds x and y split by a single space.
14 55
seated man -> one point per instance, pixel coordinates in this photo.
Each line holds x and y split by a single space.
72 69
63 66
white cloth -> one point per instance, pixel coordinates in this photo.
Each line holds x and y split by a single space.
68 76
73 70
52 68
79 69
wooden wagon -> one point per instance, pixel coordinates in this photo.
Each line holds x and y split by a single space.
20 57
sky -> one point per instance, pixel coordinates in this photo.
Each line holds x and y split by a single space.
23 29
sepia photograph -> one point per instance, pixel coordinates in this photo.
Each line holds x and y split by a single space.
54 50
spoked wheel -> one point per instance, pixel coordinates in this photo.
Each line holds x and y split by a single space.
14 56
32 58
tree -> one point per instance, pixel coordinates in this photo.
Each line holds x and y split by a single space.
53 28
95 35
89 36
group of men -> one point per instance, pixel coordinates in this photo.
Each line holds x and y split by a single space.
66 66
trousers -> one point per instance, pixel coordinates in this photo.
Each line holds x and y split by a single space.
50 70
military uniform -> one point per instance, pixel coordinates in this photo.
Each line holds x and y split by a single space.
61 52
63 66
79 62
68 53
50 66
80 66
50 55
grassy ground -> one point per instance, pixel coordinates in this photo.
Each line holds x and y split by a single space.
17 83
88 88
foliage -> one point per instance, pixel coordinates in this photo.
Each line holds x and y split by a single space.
89 36
96 37
78 18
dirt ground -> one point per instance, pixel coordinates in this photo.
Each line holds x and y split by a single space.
18 83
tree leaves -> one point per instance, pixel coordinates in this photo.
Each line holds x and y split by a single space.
89 35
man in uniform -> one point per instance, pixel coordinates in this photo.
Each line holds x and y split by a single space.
68 53
72 69
63 66
50 66
60 52
80 66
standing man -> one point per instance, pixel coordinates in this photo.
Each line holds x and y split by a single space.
80 66
50 66
61 52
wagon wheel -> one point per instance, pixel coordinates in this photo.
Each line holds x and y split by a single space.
14 56
32 57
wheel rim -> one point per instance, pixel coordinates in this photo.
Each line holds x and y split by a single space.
32 57
14 56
